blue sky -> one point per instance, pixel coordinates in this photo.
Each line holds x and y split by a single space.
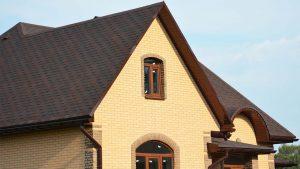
253 45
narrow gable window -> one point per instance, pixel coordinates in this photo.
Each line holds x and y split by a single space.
153 78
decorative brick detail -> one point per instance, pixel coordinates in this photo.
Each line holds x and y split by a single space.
90 150
255 163
89 158
271 157
249 164
206 139
207 161
88 153
271 165
158 137
271 161
97 134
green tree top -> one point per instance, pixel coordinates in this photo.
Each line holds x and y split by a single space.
289 152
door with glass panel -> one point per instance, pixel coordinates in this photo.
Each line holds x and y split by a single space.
154 155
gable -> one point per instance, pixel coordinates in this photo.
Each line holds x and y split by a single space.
125 114
179 83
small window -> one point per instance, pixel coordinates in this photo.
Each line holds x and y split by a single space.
153 78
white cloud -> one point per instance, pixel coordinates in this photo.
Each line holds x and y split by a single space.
257 65
284 48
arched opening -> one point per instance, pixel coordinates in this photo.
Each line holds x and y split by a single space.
154 155
258 123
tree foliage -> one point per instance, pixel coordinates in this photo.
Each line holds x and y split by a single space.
289 152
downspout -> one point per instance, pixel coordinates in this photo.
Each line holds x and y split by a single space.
219 161
97 146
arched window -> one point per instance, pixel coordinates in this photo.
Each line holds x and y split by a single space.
153 78
154 155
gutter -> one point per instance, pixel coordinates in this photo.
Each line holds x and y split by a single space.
97 146
219 161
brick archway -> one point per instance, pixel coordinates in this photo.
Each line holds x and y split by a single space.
159 137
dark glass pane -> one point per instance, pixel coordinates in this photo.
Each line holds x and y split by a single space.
153 147
152 61
155 80
140 162
146 79
167 163
153 163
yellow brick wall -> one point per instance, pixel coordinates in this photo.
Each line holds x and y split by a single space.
245 132
63 148
263 161
125 115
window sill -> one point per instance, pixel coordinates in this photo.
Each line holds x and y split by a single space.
154 97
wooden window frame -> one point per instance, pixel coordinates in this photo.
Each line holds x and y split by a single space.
160 94
157 156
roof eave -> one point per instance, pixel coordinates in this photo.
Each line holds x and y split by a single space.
284 163
282 139
196 71
215 148
45 125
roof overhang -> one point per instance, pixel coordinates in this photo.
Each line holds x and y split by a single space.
284 163
45 125
260 127
220 145
195 69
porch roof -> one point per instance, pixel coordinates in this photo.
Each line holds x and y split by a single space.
284 163
221 145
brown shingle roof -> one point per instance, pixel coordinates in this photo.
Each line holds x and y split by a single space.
56 74
29 29
233 101
61 73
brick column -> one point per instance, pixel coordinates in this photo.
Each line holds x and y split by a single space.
206 139
271 161
90 150
254 163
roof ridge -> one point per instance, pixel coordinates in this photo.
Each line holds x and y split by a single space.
25 26
35 25
11 28
98 18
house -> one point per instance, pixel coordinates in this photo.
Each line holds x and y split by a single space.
123 91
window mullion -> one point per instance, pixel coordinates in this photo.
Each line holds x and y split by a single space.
151 79
158 80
